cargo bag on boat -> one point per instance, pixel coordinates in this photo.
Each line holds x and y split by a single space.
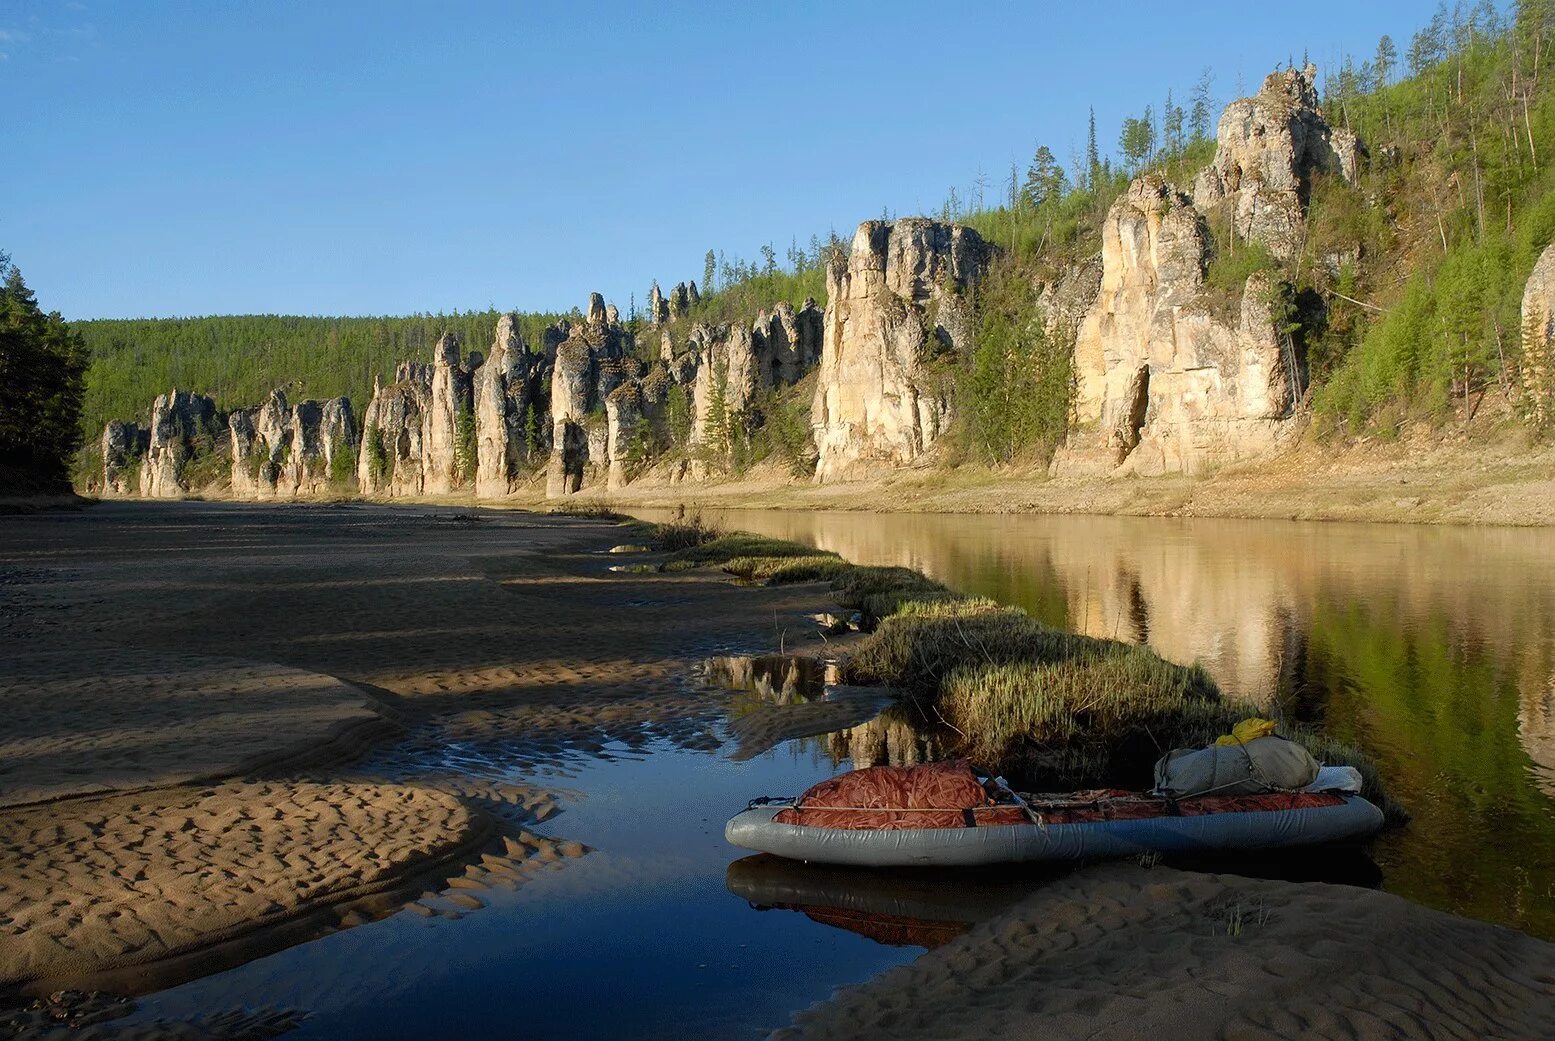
1270 763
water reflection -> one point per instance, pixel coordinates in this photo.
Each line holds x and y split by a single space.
1434 648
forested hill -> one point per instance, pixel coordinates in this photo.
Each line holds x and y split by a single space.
238 359
1404 294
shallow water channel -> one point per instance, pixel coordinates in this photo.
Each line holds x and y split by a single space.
1433 648
662 930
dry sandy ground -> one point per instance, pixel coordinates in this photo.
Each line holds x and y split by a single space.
149 648
149 651
1431 477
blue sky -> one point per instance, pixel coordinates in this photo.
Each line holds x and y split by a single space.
209 157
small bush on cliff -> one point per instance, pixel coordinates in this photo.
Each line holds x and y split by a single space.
342 463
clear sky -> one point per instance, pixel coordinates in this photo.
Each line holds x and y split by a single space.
380 157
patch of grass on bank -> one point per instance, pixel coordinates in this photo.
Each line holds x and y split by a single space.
1054 709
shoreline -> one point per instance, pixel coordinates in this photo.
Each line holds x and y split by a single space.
577 680
1424 479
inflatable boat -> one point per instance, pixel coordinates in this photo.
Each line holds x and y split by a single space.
951 828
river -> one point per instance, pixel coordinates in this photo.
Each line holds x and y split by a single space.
1433 648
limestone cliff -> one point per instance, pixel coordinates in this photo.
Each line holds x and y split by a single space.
281 451
1166 380
445 437
590 364
181 422
124 446
390 462
895 306
1171 376
1537 369
504 405
1268 149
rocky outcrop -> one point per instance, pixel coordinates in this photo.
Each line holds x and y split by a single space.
1268 149
894 307
504 403
1172 377
1167 379
589 365
124 446
391 460
658 307
788 341
448 442
182 423
1536 370
683 298
288 452
625 430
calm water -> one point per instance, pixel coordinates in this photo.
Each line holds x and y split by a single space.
1432 648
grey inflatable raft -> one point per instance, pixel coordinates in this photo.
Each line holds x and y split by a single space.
754 828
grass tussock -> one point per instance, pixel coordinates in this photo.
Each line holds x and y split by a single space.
819 567
927 640
685 532
1103 715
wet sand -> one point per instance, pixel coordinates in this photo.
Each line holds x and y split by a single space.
150 649
1121 951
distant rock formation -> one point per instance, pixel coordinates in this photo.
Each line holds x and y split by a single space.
590 364
124 446
178 419
1536 370
390 462
1166 382
1171 379
658 307
281 451
448 438
1268 148
504 410
894 305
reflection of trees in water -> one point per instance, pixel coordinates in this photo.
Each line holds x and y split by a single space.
1536 723
1433 647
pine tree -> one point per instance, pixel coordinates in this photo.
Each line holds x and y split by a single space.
1386 60
709 270
1092 155
1044 178
42 381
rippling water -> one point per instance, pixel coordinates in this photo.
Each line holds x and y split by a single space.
1433 648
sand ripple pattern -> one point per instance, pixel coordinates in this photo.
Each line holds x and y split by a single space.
109 884
84 720
1128 953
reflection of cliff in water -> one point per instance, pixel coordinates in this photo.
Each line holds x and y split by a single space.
897 737
1432 647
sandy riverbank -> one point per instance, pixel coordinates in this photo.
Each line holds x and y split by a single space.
153 647
1426 479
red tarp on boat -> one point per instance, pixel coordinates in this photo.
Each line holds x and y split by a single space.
949 795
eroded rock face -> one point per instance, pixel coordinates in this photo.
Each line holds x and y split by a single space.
589 365
894 306
1268 149
624 426
1537 368
124 445
449 456
1166 383
503 407
390 462
290 452
658 307
180 420
789 341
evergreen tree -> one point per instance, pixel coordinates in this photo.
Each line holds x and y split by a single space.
42 380
1044 178
1386 60
1092 155
709 270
